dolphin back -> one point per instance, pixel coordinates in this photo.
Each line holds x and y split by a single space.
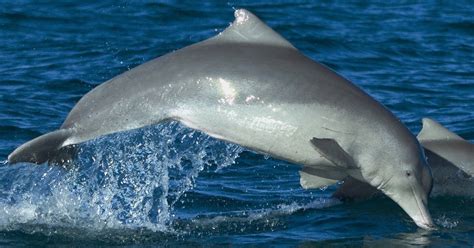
44 148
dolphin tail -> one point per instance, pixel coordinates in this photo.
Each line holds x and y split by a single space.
44 148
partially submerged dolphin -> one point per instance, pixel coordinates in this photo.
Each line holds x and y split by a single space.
450 157
250 86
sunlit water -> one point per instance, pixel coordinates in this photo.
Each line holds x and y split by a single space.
170 185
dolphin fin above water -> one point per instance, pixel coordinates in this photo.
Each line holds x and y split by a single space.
432 131
248 28
448 146
311 181
313 178
332 151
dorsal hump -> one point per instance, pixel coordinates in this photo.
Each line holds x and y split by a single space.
432 130
248 28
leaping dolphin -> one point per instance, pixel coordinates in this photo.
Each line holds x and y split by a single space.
450 157
250 86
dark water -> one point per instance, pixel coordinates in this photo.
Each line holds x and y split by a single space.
169 185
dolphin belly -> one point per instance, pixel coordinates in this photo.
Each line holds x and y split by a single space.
275 130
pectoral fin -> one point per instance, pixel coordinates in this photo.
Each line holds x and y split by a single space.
332 151
309 181
313 178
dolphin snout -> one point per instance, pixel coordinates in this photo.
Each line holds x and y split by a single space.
424 220
417 209
414 202
426 226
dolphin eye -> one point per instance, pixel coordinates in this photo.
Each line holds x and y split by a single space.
408 173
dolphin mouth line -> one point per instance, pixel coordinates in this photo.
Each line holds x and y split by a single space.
427 223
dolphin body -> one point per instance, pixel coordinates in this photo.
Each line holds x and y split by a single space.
250 86
450 157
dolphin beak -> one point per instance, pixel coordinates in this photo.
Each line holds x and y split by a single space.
415 205
421 215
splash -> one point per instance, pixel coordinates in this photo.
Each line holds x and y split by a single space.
122 181
446 222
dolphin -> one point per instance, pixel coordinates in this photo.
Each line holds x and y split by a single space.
450 157
250 86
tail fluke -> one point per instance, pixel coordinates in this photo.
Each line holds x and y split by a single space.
44 148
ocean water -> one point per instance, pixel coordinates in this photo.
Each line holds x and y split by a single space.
168 185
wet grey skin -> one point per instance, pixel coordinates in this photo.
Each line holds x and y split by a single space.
250 86
450 157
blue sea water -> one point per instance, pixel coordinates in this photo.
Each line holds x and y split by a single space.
168 185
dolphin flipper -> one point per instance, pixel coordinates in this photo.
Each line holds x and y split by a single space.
311 179
308 181
332 151
41 149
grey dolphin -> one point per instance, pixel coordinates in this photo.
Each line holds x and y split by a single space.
250 86
450 157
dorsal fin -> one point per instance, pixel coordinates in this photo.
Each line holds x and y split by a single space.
432 130
248 28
